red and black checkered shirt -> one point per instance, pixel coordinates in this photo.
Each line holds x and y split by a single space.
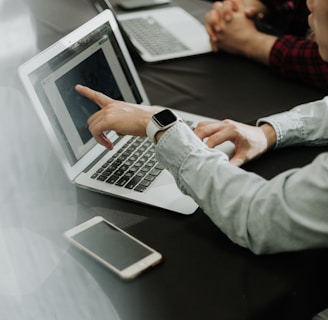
293 55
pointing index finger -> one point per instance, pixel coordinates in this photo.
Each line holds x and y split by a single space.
99 98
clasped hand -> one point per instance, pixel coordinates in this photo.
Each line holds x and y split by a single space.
230 24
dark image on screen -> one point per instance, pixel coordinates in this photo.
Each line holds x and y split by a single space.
95 73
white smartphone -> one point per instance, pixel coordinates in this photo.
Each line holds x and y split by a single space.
113 247
138 4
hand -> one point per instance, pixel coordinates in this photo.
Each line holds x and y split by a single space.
254 9
250 142
215 19
122 117
222 13
231 29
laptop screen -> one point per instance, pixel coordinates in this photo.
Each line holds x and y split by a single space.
95 61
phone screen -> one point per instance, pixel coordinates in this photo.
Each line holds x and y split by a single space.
112 245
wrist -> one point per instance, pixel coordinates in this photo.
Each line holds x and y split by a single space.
160 122
159 134
270 135
259 48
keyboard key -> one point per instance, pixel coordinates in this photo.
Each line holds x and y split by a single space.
133 182
121 182
152 36
112 179
134 168
140 188
101 178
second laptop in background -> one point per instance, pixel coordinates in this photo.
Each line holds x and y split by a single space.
166 33
162 34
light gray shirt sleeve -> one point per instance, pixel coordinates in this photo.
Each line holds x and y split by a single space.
306 124
289 212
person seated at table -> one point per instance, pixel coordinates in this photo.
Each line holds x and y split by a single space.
286 213
274 33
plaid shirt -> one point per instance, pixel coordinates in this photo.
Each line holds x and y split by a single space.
293 55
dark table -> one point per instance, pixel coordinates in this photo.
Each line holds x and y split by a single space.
204 275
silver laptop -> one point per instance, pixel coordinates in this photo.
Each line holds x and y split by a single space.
163 34
95 55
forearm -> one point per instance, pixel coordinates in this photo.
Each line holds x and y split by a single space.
303 125
264 216
270 135
259 47
299 59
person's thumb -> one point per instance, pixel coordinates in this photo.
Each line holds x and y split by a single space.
251 12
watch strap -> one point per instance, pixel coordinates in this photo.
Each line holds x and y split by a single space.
153 127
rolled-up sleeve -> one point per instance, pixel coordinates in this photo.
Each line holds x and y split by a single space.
286 213
306 124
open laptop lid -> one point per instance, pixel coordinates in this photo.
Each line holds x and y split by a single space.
50 77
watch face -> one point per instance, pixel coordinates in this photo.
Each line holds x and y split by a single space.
165 117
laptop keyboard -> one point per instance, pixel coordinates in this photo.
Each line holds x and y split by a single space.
152 36
134 166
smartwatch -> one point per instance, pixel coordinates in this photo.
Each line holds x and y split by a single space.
161 121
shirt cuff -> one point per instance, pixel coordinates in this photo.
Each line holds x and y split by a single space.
177 145
288 127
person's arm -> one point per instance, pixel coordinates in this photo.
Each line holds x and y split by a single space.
286 213
301 125
305 124
299 59
293 57
237 35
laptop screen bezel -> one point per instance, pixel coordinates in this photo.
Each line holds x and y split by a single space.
25 71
